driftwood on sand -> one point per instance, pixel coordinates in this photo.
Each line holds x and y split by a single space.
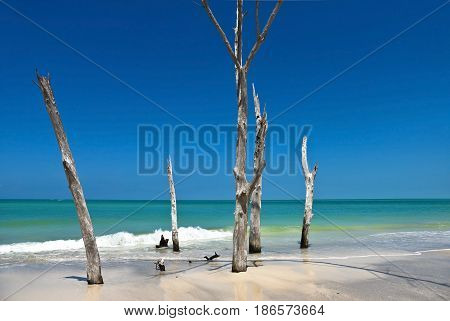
212 257
93 266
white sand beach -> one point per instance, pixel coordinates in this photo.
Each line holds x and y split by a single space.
416 277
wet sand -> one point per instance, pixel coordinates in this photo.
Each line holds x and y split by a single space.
417 277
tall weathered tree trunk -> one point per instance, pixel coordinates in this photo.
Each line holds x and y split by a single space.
94 273
173 206
239 263
309 183
244 189
255 215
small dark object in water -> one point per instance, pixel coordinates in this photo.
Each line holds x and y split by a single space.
163 242
190 261
159 265
212 257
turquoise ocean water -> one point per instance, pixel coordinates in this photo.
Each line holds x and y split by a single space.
48 230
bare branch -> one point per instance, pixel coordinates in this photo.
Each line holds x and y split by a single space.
262 36
260 162
257 105
222 34
305 168
238 32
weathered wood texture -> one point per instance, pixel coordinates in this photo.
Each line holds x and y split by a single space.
254 244
244 189
309 183
93 266
239 262
173 208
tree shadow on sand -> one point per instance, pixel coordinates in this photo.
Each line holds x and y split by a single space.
78 278
412 278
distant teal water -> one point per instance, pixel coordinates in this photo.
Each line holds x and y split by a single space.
336 222
43 220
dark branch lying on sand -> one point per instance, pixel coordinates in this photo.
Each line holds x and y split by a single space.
215 256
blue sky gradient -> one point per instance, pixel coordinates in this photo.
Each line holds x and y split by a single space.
381 130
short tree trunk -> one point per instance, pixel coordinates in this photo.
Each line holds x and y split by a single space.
175 241
173 208
304 243
239 263
309 183
254 244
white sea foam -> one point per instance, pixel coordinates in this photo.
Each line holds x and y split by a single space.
411 237
412 234
117 240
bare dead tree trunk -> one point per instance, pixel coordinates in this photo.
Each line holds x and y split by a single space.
93 266
239 263
309 183
244 189
173 211
258 159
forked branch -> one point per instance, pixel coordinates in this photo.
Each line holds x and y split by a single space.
222 34
262 36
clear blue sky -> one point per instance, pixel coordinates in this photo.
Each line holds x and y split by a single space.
381 130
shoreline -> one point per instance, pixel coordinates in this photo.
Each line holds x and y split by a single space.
304 256
413 277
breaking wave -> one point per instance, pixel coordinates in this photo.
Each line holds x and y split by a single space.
117 240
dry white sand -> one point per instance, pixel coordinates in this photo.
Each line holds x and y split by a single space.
423 277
